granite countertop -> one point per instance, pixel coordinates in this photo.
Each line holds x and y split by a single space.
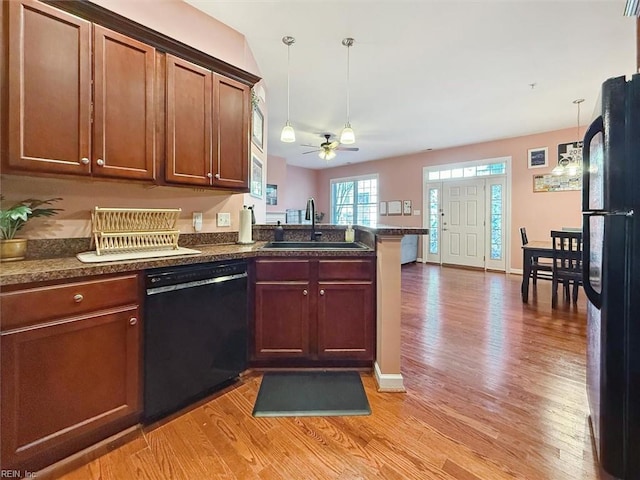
42 270
68 266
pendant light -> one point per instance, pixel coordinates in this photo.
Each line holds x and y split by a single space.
288 135
347 136
571 165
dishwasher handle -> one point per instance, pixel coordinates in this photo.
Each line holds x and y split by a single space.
197 283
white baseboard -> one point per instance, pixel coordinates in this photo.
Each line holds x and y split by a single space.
516 271
389 382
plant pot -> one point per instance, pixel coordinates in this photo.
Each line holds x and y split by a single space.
13 249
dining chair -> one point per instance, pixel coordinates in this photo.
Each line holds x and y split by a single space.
539 268
567 264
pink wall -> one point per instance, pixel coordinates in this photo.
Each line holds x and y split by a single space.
400 178
295 184
182 22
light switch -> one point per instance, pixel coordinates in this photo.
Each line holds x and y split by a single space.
224 219
197 221
416 212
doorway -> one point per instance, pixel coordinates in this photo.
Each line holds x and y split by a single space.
466 208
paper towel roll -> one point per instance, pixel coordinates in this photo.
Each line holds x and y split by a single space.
244 233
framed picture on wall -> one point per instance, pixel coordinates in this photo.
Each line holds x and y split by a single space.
394 207
257 128
383 208
406 207
538 157
256 177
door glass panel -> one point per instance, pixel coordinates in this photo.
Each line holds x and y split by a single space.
434 217
496 222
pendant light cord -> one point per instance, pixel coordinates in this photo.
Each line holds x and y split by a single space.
348 83
288 77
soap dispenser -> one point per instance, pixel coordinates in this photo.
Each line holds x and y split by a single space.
278 233
349 234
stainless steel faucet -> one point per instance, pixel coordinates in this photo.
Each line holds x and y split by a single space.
310 214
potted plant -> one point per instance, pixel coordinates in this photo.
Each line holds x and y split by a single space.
13 218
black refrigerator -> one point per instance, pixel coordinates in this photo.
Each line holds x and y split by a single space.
611 265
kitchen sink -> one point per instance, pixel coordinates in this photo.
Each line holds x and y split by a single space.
309 245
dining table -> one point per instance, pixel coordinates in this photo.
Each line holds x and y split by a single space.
533 250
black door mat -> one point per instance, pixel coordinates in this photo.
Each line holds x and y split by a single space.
311 394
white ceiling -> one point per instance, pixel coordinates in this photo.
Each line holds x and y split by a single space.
429 74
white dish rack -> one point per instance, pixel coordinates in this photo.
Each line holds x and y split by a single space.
134 233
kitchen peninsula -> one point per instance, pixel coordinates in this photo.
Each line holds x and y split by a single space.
110 305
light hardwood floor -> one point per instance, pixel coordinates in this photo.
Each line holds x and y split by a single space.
495 390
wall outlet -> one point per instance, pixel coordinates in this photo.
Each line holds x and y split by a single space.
416 212
197 221
224 219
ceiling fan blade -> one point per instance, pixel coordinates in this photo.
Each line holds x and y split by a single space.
350 149
308 145
311 151
333 144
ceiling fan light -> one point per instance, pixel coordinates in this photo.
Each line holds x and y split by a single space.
347 137
288 135
327 154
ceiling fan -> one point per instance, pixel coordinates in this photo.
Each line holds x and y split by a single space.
327 149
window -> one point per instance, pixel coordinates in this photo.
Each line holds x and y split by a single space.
355 201
468 172
434 220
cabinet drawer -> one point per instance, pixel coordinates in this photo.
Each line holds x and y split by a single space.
27 307
345 270
275 270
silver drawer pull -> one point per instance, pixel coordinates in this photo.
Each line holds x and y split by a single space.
100 162
210 175
84 161
78 297
217 176
305 293
133 321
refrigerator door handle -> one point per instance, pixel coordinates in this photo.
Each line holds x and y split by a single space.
596 127
594 297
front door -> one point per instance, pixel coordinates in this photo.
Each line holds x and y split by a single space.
463 224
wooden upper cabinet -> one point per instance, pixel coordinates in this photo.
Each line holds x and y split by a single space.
189 116
124 113
49 84
231 133
50 91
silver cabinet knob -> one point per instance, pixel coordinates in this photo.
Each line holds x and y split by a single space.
217 176
321 292
78 297
100 162
84 161
305 293
133 321
210 175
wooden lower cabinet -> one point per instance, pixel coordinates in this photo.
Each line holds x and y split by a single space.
70 381
313 312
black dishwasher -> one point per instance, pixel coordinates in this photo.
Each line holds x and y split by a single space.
195 332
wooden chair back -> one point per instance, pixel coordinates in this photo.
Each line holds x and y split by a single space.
567 254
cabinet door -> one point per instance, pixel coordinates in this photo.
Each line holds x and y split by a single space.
231 127
123 125
345 320
281 320
49 89
66 385
188 155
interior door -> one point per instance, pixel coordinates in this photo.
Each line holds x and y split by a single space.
463 225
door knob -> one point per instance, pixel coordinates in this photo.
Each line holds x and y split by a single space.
133 321
321 292
217 175
305 293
